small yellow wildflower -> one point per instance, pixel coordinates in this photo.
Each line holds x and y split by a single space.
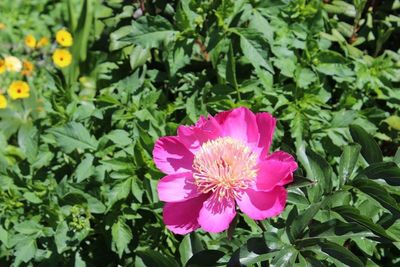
2 66
64 38
62 58
28 68
13 64
18 89
3 102
42 42
30 41
2 26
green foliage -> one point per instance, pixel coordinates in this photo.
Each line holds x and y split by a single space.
76 172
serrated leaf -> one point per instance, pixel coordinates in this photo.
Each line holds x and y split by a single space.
25 250
121 236
74 136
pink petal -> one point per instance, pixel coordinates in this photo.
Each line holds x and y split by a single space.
259 205
194 136
171 156
177 187
239 123
277 169
266 127
215 216
181 217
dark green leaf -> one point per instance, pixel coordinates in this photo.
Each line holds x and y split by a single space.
347 162
369 148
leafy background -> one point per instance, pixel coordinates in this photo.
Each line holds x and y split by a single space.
76 172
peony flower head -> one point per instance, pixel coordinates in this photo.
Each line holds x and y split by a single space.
12 64
30 41
217 164
3 102
18 89
62 58
64 38
44 41
2 66
27 68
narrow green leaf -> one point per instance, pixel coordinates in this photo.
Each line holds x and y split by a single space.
231 68
347 162
301 221
369 148
340 253
379 193
351 214
388 171
152 258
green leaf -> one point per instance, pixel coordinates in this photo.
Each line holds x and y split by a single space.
28 227
32 197
151 32
321 171
28 138
151 258
396 157
301 221
369 148
348 161
351 214
25 250
205 258
139 56
285 257
388 171
340 253
249 253
121 236
61 237
190 245
379 193
84 169
231 68
254 48
119 191
74 136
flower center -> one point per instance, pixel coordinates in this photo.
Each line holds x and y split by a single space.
224 166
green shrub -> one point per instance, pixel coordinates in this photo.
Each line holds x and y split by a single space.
76 171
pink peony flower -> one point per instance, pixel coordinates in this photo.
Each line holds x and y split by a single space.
221 162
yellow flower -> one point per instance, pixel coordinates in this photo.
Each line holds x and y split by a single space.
2 66
3 102
13 64
18 89
2 26
42 42
28 68
62 58
30 41
64 38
